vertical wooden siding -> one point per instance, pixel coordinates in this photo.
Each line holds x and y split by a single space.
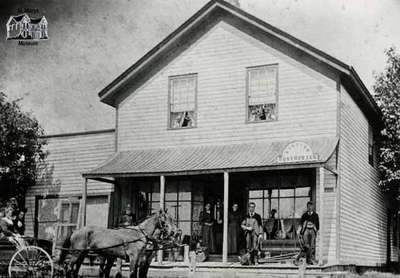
68 157
362 210
307 99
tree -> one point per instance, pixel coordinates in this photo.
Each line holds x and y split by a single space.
21 149
387 95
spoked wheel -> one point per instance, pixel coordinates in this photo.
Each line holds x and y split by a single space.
30 262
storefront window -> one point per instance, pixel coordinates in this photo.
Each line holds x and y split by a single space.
178 202
290 203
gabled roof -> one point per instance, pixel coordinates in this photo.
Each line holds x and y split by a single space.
20 17
216 9
11 19
36 20
17 18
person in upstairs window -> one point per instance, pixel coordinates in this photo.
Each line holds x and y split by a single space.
310 227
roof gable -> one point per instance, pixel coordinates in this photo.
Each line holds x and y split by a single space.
17 18
36 20
200 23
11 20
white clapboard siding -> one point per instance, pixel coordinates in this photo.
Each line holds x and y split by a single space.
69 156
327 216
30 215
394 249
328 225
362 210
307 99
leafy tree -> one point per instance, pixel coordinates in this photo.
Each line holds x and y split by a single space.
21 149
387 95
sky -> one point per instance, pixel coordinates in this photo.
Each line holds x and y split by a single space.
91 42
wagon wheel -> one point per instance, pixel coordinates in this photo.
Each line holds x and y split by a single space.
32 262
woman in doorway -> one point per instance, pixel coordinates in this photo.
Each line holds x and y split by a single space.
207 228
234 220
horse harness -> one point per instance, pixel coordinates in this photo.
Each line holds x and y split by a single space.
155 242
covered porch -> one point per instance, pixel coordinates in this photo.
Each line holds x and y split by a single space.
282 175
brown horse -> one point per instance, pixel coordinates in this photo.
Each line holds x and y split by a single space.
110 244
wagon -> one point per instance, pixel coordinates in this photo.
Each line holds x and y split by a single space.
26 257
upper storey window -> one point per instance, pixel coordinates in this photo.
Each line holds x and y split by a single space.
182 101
371 147
262 93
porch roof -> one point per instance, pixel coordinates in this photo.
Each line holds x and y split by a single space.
217 158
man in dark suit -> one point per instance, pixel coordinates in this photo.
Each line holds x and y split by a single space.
310 226
252 226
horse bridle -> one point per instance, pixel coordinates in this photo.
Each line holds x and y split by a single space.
150 237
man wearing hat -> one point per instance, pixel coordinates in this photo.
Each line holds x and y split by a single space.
310 226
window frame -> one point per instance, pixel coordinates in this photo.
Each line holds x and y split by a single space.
248 69
170 79
269 197
61 200
177 201
371 147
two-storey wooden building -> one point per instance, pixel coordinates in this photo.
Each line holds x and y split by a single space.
229 107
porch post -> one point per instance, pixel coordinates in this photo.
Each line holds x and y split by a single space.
84 197
321 214
162 191
162 197
225 231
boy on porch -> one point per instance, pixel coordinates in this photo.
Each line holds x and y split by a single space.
252 226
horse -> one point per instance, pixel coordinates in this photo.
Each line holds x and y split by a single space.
110 244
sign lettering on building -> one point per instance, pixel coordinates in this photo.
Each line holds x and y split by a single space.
297 152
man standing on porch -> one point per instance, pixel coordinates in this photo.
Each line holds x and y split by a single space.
207 228
310 226
252 226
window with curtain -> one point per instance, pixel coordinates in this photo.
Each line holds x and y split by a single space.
262 93
182 101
